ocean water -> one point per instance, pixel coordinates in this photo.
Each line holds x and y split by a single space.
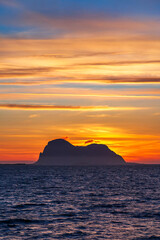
116 202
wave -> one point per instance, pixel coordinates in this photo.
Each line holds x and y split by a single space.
14 221
148 238
147 215
68 214
114 205
27 205
73 234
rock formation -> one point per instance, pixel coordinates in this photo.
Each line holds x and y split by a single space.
60 152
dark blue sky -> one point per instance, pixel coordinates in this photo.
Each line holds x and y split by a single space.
73 7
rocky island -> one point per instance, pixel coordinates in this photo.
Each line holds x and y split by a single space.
60 152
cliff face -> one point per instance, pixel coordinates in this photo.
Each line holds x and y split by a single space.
59 152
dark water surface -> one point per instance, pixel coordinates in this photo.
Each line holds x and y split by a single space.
38 202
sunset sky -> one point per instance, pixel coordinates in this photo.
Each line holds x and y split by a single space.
84 70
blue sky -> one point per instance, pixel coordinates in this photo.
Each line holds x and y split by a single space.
13 14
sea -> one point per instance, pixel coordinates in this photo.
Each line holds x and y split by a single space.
114 202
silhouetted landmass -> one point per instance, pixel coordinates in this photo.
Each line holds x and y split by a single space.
133 163
60 152
13 164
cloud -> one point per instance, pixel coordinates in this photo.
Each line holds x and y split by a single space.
33 115
24 78
157 114
67 108
89 141
9 3
75 59
121 79
83 25
117 63
66 138
25 72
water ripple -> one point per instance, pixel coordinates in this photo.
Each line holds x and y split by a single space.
80 203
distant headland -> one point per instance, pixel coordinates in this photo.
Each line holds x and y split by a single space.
60 152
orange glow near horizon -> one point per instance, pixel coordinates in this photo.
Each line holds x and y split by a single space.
26 146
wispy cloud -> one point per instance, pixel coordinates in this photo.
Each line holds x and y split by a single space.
26 72
9 3
67 108
83 25
33 115
66 138
117 63
70 59
89 141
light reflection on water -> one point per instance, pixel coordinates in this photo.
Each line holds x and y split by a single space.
38 202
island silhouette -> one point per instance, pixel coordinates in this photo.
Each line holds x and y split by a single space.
60 152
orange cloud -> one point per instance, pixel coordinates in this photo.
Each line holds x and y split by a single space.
33 115
66 138
89 141
23 72
48 61
67 108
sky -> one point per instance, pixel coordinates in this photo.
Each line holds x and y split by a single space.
87 71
